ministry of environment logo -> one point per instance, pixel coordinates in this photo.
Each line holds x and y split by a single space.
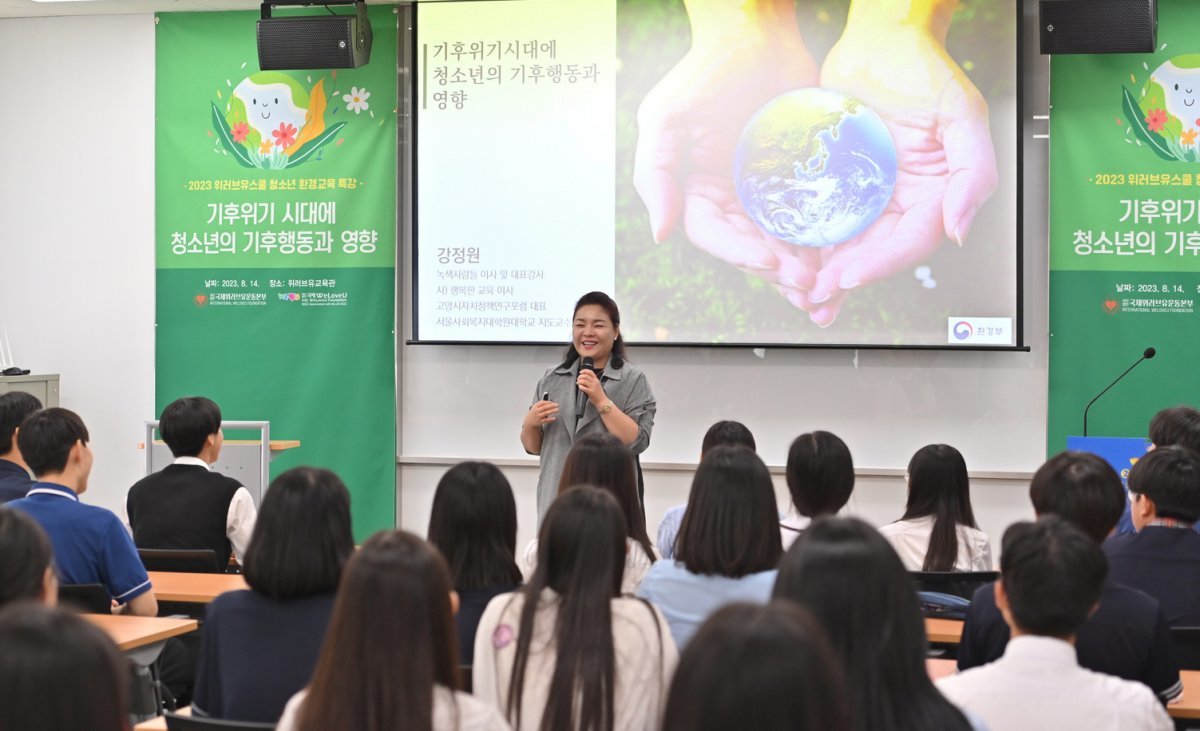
1163 114
963 330
271 120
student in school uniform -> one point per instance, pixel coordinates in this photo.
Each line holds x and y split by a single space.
14 473
820 478
1170 427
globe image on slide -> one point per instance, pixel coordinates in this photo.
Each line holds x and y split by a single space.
815 167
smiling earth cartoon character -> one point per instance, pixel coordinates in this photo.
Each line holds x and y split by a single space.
269 102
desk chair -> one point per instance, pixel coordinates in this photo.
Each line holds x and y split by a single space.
1187 647
181 561
957 583
88 598
176 722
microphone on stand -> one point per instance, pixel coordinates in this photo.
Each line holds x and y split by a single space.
1147 354
581 398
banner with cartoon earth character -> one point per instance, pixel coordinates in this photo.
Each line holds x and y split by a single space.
275 245
1125 231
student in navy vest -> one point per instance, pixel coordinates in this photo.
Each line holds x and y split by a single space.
14 473
187 506
1174 426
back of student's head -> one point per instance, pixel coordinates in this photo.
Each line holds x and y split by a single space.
59 672
581 556
768 668
25 557
473 523
1082 489
14 407
1178 425
1052 574
727 434
1170 476
853 582
46 438
603 461
302 537
391 638
187 423
938 486
730 527
820 473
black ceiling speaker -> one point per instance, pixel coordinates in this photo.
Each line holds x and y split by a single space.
314 41
1098 26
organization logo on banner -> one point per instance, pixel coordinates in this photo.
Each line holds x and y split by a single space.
979 330
1111 306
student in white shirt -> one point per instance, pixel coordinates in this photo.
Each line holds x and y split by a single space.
568 651
390 659
1051 578
938 530
820 478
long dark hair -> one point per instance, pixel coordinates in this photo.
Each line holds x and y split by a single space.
474 524
59 672
25 554
849 577
391 640
938 485
601 460
581 557
731 525
606 303
302 537
769 668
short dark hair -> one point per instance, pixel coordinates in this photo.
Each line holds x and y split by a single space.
727 433
1082 489
187 423
1170 476
14 407
731 525
473 523
302 538
1052 573
820 473
769 668
59 672
617 358
25 554
46 438
1176 425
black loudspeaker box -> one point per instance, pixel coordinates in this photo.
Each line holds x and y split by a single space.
315 41
1098 26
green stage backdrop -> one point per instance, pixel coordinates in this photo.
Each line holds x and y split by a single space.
275 244
1125 230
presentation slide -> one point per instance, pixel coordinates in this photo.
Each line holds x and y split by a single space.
783 172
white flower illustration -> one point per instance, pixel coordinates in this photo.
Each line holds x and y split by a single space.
356 100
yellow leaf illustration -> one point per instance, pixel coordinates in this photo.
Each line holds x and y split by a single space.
314 118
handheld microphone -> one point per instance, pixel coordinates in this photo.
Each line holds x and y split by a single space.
581 398
1147 354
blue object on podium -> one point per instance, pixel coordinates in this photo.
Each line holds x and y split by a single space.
1120 452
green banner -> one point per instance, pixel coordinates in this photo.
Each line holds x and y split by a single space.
276 244
1125 231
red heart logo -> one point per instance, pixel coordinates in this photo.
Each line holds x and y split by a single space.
201 300
1110 305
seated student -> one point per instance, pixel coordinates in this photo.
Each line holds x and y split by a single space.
602 461
14 473
1127 636
723 433
259 646
186 505
938 531
59 672
473 523
847 575
568 651
389 660
26 561
727 549
765 668
820 478
90 544
1052 576
1163 557
1170 427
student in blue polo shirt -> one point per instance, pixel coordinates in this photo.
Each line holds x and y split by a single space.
90 544
14 476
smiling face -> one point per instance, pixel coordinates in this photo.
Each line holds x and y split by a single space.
593 334
1181 90
268 106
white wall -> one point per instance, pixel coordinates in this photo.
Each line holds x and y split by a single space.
77 223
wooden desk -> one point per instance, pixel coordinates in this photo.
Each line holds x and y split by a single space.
133 633
160 723
942 631
170 586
